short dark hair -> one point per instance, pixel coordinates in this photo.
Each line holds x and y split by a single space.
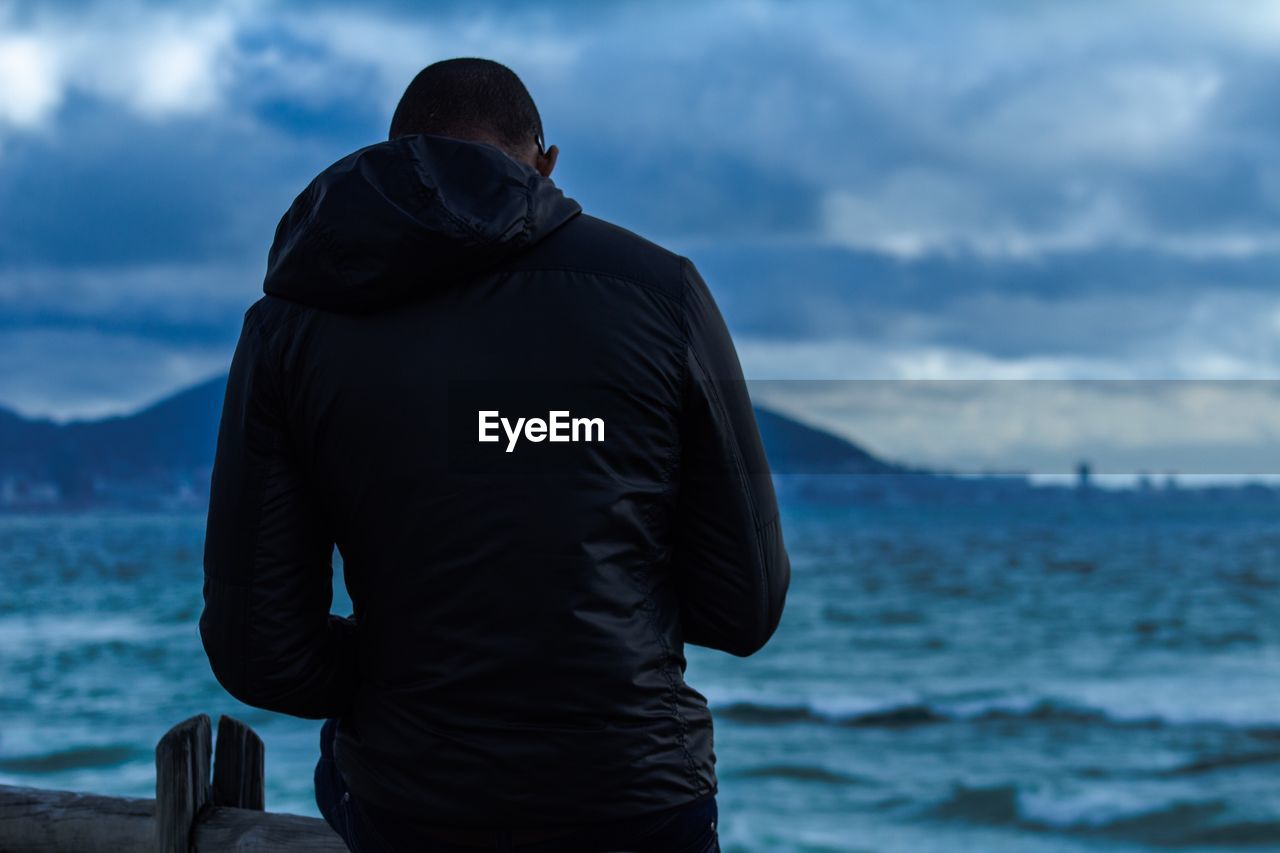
468 98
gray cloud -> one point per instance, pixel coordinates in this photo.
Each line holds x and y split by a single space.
65 374
878 188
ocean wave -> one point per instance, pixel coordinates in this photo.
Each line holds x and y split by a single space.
1100 813
1229 761
76 758
801 773
893 713
67 631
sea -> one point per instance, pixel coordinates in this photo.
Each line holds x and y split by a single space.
1069 675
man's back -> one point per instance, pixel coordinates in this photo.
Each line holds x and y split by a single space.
522 590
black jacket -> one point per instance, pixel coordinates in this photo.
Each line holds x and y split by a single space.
516 654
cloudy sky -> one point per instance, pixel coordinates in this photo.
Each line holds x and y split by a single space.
1032 190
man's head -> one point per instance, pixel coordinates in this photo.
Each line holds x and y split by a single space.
478 100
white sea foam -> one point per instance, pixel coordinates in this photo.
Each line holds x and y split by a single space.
61 631
1244 702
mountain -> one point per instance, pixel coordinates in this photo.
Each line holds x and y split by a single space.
796 448
162 455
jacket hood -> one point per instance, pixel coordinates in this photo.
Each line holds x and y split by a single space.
390 221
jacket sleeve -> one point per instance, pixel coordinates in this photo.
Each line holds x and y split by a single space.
266 626
729 558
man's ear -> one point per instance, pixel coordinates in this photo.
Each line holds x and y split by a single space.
546 163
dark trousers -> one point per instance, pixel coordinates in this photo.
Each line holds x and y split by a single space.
367 829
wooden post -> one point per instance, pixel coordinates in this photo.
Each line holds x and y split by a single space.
238 766
182 782
188 815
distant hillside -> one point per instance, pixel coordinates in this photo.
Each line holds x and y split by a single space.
795 448
163 454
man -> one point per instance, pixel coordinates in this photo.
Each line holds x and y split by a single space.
527 433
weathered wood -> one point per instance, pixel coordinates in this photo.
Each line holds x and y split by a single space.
227 829
182 782
42 821
238 766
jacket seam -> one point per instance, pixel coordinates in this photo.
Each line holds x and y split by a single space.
598 274
674 455
253 566
527 228
772 522
758 545
734 451
260 484
758 526
650 605
431 194
691 764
